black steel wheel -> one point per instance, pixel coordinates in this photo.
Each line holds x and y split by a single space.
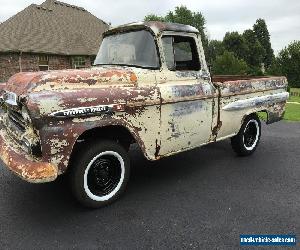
99 175
247 140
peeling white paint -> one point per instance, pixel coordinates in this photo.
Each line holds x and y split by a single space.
256 101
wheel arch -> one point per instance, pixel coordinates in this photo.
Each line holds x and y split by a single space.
118 133
255 113
112 132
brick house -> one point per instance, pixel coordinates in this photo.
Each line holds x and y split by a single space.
53 35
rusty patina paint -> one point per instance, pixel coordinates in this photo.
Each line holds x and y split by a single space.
70 79
275 112
166 112
20 163
250 88
219 123
59 90
238 87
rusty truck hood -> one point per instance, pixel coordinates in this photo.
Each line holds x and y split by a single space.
26 82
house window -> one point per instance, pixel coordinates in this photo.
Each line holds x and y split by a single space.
43 62
79 62
181 53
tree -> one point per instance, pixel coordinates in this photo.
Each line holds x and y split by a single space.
261 31
153 17
256 52
288 63
215 48
275 68
184 16
229 64
234 42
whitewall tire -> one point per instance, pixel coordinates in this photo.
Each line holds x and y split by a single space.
100 174
247 139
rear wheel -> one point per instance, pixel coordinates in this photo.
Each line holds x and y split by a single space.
247 140
99 175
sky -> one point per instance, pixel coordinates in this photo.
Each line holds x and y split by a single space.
282 16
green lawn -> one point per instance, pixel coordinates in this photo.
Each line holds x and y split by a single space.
294 99
292 112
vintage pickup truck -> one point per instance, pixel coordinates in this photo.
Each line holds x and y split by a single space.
150 85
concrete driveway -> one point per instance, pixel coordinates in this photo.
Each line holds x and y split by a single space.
204 199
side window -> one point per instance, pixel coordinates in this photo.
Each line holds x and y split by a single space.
181 53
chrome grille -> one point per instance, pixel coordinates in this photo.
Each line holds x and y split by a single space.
16 128
16 120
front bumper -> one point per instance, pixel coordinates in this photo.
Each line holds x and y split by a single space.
24 165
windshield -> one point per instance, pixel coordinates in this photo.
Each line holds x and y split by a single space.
136 48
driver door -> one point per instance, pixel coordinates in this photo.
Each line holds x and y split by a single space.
187 98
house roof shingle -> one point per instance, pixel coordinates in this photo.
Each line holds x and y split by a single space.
54 28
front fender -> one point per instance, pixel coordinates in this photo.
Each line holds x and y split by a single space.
59 137
140 116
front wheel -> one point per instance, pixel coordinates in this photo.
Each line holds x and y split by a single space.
99 175
246 141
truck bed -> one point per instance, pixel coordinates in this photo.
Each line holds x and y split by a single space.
240 85
240 96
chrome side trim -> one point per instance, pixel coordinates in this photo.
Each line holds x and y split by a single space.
256 101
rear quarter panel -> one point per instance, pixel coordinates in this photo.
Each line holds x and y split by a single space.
244 97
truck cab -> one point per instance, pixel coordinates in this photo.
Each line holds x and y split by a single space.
150 85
